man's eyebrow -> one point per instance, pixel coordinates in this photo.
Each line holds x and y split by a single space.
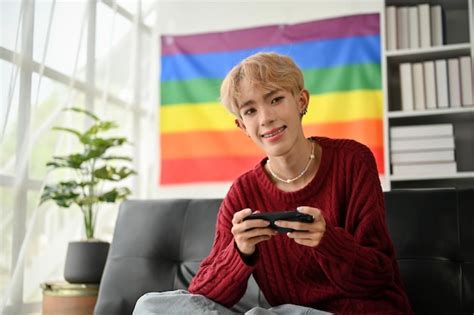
247 103
270 94
265 97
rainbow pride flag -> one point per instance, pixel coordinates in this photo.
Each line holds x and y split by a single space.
340 59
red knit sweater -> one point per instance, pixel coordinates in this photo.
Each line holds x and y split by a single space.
353 269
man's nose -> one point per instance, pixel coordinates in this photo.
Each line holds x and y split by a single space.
267 115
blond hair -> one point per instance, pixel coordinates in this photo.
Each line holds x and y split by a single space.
269 70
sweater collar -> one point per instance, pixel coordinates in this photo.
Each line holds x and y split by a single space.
310 189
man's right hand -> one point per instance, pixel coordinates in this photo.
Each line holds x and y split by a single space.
247 234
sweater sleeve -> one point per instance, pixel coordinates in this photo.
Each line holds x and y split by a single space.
359 259
223 275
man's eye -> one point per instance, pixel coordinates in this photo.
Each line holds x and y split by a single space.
277 99
249 111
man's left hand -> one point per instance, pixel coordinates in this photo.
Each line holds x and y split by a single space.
308 234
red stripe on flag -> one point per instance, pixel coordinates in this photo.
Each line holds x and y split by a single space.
211 169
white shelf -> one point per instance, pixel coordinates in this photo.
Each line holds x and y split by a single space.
461 39
446 51
430 112
395 178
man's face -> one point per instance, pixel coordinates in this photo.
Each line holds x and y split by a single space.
271 118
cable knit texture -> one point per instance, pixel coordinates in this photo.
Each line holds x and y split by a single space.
352 271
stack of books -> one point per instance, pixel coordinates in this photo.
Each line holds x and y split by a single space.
423 150
437 84
411 27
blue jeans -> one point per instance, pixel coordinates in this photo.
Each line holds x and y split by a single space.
183 302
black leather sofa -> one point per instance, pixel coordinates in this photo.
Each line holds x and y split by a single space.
158 245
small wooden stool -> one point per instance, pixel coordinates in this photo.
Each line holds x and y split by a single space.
61 297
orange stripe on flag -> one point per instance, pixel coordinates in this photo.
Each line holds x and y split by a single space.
206 144
235 143
366 131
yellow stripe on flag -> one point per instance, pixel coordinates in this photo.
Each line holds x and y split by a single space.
331 107
194 117
345 106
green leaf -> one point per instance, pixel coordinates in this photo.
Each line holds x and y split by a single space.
85 201
69 161
115 194
113 173
100 126
80 110
70 130
88 183
63 193
103 144
112 157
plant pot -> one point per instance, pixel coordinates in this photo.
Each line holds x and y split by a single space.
85 261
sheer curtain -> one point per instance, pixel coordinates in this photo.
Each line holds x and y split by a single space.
55 54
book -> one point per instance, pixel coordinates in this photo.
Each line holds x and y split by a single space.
406 87
421 131
391 27
424 25
403 39
419 98
454 82
430 84
442 96
422 144
422 156
467 81
437 33
439 168
414 28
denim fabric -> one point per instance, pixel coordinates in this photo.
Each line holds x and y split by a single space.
183 302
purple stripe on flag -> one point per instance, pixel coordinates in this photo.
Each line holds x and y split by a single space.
354 25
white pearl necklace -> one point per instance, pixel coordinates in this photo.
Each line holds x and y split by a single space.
291 180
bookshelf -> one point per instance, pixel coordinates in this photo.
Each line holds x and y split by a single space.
457 43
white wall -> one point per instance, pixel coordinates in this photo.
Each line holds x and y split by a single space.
191 17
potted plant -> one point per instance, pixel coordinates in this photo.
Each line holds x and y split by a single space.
94 179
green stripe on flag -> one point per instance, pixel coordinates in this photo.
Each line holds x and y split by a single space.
317 81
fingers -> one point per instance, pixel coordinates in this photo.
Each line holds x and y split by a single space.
254 234
240 215
316 226
315 212
308 234
239 225
248 233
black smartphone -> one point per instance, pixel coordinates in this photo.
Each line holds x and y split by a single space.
281 215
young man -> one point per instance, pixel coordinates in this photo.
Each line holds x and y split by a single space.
343 262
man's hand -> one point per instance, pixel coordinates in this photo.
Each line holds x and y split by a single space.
247 234
311 233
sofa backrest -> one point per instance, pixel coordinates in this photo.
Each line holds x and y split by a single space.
433 235
158 245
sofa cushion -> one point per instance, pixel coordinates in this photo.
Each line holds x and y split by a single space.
158 246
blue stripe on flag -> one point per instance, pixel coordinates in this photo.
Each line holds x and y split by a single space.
308 55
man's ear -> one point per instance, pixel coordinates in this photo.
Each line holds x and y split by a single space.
303 101
241 125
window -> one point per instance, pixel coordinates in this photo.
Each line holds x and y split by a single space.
45 66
